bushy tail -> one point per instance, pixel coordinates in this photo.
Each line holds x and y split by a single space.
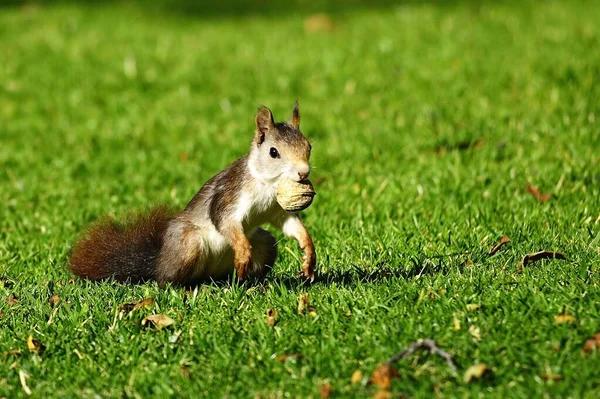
128 251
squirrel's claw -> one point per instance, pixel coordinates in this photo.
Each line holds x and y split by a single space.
308 266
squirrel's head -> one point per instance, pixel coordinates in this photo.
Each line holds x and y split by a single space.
279 150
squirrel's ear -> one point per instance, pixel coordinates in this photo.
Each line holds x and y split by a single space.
296 116
264 124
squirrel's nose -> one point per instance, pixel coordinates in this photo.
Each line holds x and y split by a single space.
303 170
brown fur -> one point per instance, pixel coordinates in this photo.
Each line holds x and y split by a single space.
126 251
309 258
242 250
296 116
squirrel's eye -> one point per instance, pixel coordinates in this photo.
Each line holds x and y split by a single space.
274 153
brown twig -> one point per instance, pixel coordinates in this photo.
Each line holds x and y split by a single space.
534 257
496 248
427 344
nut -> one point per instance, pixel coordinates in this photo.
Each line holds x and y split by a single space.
294 196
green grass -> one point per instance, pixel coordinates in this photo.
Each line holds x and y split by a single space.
113 108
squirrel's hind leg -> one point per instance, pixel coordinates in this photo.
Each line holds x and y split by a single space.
264 252
181 254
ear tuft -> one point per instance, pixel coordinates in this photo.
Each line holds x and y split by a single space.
296 115
264 123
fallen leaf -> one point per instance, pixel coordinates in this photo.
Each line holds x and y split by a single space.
468 262
456 322
304 305
173 338
535 256
541 197
556 348
185 372
383 375
550 376
272 317
291 356
12 352
318 23
183 156
357 377
158 321
476 371
592 344
131 306
564 318
475 333
34 345
23 376
325 390
54 299
12 299
503 240
471 307
383 395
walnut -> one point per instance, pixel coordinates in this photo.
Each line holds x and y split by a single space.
294 196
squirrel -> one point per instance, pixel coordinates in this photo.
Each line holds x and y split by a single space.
219 229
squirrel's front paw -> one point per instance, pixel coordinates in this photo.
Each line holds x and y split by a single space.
242 263
309 263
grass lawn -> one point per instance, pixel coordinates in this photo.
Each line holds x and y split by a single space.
428 121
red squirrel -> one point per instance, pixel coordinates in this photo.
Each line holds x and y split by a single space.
219 230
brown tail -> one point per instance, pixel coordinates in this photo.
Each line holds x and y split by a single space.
128 252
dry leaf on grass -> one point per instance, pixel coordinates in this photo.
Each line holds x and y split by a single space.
456 321
383 395
12 352
272 317
34 345
475 333
325 390
304 305
535 256
592 344
564 318
383 376
471 307
12 299
23 376
54 299
131 306
476 372
290 356
541 197
550 376
318 23
158 321
184 368
468 262
503 240
357 377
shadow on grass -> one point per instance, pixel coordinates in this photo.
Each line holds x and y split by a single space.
426 266
242 8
